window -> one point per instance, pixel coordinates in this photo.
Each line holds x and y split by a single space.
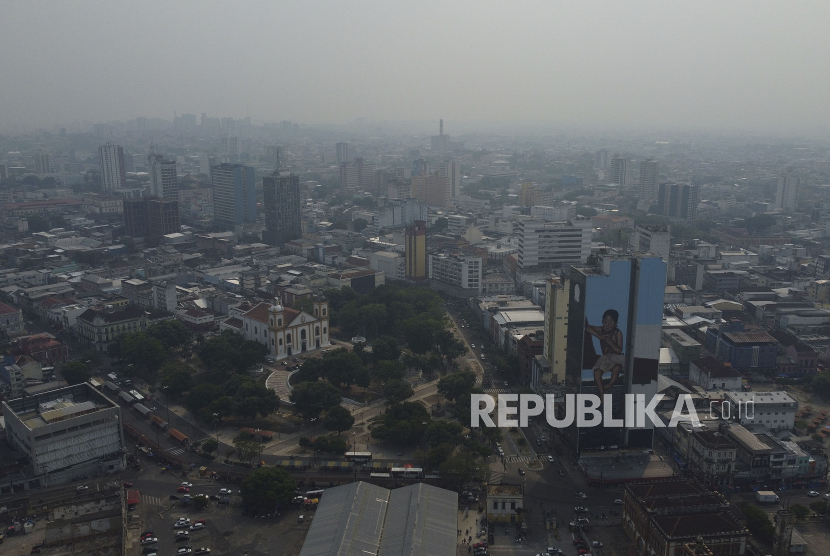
324 311
279 322
288 338
280 341
255 330
495 505
324 330
512 505
503 505
302 334
316 330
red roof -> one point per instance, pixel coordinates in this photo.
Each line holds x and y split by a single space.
177 435
8 309
133 497
260 312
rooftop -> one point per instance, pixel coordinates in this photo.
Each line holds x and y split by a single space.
692 525
750 337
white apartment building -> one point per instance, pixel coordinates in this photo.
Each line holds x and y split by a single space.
163 178
451 171
72 428
774 410
554 214
787 194
393 265
554 244
113 171
652 239
461 272
457 224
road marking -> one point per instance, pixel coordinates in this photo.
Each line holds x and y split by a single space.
175 451
152 500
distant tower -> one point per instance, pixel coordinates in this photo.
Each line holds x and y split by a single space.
113 171
441 127
342 152
281 198
649 170
782 540
619 170
786 196
43 163
164 182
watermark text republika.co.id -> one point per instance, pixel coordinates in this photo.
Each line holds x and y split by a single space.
587 410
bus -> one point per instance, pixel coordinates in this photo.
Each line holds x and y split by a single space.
358 457
137 395
312 494
379 475
407 472
113 377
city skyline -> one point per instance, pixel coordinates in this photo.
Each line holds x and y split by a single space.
671 67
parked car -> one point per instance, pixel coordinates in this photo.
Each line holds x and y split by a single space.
202 521
81 488
197 526
202 550
186 484
521 472
147 534
550 459
581 509
213 497
812 494
618 502
581 495
183 489
596 544
149 540
225 491
127 484
183 550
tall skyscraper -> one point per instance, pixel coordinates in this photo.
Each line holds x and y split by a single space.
551 245
615 314
281 197
342 150
649 179
164 181
619 170
416 251
273 155
440 142
601 159
786 198
43 163
113 171
234 195
678 200
450 170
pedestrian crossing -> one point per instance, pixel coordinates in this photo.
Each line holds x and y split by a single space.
152 500
497 391
175 451
516 459
496 477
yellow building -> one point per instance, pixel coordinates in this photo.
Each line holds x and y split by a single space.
416 251
505 503
556 328
819 291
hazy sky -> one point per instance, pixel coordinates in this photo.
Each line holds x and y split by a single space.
625 63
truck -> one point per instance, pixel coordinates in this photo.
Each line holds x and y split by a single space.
766 497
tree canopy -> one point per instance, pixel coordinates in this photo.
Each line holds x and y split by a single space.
338 419
75 372
403 424
241 396
267 488
230 352
312 398
171 333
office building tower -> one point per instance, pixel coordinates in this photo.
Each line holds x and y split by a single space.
230 145
113 171
551 245
151 216
786 197
234 194
619 170
450 170
649 176
416 251
623 301
457 274
652 239
440 142
678 200
358 175
281 198
205 162
164 181
601 159
43 163
342 150
273 155
549 369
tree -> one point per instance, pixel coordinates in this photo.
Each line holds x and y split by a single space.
373 315
757 521
403 424
397 391
799 511
440 224
176 378
338 419
230 352
454 386
448 347
420 332
200 501
75 372
304 304
247 447
821 385
140 349
819 506
385 348
210 445
359 224
312 398
91 357
267 488
171 333
385 371
252 399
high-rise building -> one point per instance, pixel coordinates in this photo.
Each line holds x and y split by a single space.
450 170
619 170
457 274
440 142
273 155
113 171
151 216
342 150
234 194
416 251
649 179
601 159
433 189
615 315
43 163
281 197
786 197
358 175
551 245
678 200
555 348
164 181
230 145
652 239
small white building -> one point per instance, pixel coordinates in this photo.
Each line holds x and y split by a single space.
774 410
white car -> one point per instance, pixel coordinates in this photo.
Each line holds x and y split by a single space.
225 491
183 550
149 540
827 496
581 495
472 345
596 544
812 494
550 459
618 502
197 526
187 485
81 488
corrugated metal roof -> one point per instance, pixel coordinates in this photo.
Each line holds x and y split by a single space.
360 519
421 520
348 522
